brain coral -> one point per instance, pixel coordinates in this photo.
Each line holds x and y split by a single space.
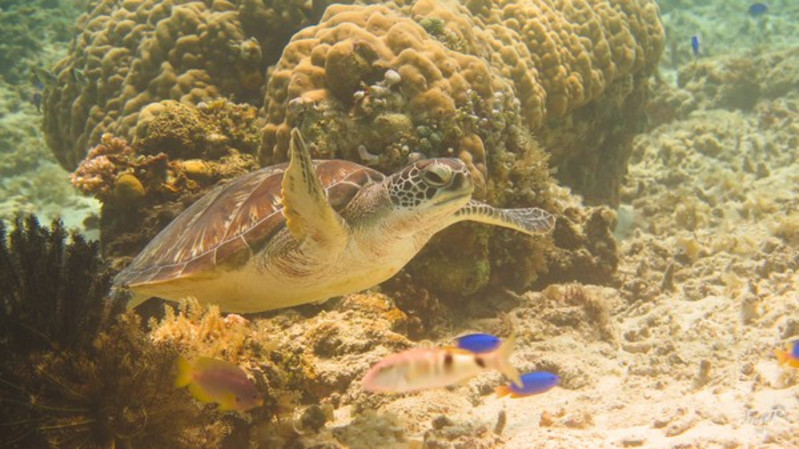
130 53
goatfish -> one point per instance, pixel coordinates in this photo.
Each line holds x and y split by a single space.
532 383
212 380
424 368
790 355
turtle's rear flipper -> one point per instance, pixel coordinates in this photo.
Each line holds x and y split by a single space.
128 297
530 220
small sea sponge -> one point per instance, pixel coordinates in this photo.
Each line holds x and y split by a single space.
128 188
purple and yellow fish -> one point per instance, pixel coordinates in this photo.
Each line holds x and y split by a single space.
424 368
790 355
212 380
532 383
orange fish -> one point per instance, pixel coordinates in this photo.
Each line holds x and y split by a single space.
212 380
423 368
790 355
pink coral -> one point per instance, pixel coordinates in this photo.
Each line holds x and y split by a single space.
96 174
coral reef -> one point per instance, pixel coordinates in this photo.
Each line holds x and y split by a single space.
395 76
177 153
27 30
117 392
714 21
383 85
131 54
296 361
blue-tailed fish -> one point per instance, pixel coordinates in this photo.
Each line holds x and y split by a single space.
212 380
423 368
478 343
695 45
789 356
532 383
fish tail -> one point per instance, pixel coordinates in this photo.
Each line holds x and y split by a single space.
782 356
503 361
184 373
502 390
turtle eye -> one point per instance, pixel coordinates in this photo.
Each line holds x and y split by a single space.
436 177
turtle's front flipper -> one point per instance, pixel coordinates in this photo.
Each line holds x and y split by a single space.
529 220
309 215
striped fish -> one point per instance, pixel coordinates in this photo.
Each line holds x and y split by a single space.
424 368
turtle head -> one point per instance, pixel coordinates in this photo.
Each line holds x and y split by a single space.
430 190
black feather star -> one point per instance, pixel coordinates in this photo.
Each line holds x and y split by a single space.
75 371
53 293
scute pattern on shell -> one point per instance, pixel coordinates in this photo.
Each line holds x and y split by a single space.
234 221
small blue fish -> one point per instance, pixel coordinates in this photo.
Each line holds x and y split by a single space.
695 45
478 343
758 9
790 355
532 383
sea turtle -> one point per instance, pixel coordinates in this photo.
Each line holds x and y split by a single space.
308 230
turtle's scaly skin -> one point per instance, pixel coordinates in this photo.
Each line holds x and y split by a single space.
303 232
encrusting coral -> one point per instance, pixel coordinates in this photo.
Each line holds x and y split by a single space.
75 373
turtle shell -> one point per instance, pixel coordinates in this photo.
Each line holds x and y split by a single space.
234 221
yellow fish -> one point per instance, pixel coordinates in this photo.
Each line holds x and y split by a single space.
212 380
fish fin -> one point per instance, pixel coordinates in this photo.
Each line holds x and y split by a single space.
503 361
782 356
502 390
199 394
184 373
228 402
